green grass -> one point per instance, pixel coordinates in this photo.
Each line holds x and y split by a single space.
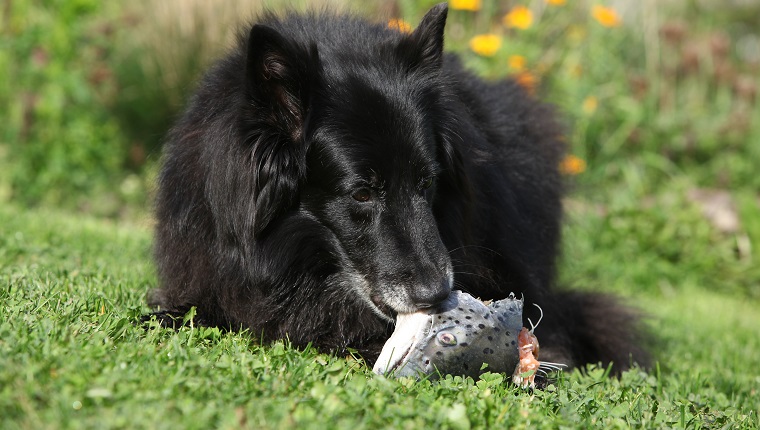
71 357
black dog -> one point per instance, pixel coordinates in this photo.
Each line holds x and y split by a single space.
330 173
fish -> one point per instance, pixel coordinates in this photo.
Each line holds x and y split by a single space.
457 337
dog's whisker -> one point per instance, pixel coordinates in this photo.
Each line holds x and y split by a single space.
484 248
459 272
460 286
465 263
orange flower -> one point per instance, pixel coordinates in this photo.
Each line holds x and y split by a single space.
572 165
606 16
556 2
519 17
485 44
471 5
528 81
400 25
516 62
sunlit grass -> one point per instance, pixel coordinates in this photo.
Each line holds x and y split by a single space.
71 355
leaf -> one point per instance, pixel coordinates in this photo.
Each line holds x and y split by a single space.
457 417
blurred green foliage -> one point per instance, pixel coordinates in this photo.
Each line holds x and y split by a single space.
667 89
60 144
89 88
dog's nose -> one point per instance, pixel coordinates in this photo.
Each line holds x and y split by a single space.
425 298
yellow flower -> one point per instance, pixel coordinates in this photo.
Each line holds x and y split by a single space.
485 44
400 25
590 104
516 62
471 5
576 71
556 2
519 17
606 16
572 165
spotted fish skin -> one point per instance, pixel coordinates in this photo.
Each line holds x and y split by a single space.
455 338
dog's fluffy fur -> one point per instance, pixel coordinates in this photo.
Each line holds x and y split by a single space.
330 173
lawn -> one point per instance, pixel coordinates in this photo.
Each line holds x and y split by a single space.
71 356
661 104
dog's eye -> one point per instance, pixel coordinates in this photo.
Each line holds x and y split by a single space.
427 183
362 195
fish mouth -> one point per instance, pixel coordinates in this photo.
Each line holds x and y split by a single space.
392 367
410 330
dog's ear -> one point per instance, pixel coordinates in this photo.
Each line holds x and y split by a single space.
423 49
280 79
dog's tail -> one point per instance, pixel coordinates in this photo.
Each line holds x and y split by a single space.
584 327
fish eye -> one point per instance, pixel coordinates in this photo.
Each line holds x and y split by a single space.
446 339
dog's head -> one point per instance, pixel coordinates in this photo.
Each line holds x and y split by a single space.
360 142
